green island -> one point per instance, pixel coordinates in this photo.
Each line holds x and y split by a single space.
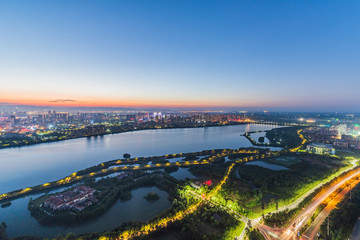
152 196
106 192
6 204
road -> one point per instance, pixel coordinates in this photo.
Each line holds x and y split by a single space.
300 220
315 226
299 200
270 233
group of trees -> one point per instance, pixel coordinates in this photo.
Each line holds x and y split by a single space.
286 137
3 234
285 184
343 218
254 234
282 218
208 170
209 222
109 190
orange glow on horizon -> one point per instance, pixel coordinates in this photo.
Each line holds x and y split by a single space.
115 103
61 99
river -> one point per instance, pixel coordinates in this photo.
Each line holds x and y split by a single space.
36 164
32 165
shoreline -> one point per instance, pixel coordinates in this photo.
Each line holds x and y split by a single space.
145 129
125 131
104 169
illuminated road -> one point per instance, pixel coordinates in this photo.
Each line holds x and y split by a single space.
300 220
300 199
315 226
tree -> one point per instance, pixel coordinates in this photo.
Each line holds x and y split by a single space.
126 155
3 234
249 224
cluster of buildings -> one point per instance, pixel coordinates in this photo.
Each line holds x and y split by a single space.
23 128
52 120
13 120
347 142
77 199
327 139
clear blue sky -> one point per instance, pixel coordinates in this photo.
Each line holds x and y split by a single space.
266 54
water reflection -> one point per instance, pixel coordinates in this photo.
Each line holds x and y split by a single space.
33 165
20 222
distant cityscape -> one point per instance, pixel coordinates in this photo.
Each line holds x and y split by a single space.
22 128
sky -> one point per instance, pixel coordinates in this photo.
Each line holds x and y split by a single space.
281 55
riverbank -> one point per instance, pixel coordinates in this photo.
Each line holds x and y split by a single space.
120 165
33 165
29 141
14 143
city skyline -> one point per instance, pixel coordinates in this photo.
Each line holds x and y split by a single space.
181 55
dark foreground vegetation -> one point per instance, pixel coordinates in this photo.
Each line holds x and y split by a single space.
285 137
209 222
302 170
282 218
343 218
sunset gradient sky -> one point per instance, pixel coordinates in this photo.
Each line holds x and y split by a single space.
301 55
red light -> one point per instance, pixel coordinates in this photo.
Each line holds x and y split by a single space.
208 182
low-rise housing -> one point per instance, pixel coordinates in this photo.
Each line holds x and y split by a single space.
77 199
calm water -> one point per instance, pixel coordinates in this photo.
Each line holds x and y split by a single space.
182 174
256 136
270 166
37 164
32 165
20 222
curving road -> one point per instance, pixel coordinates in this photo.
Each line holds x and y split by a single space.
315 226
300 220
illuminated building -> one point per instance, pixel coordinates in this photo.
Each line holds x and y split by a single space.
8 125
340 128
320 148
